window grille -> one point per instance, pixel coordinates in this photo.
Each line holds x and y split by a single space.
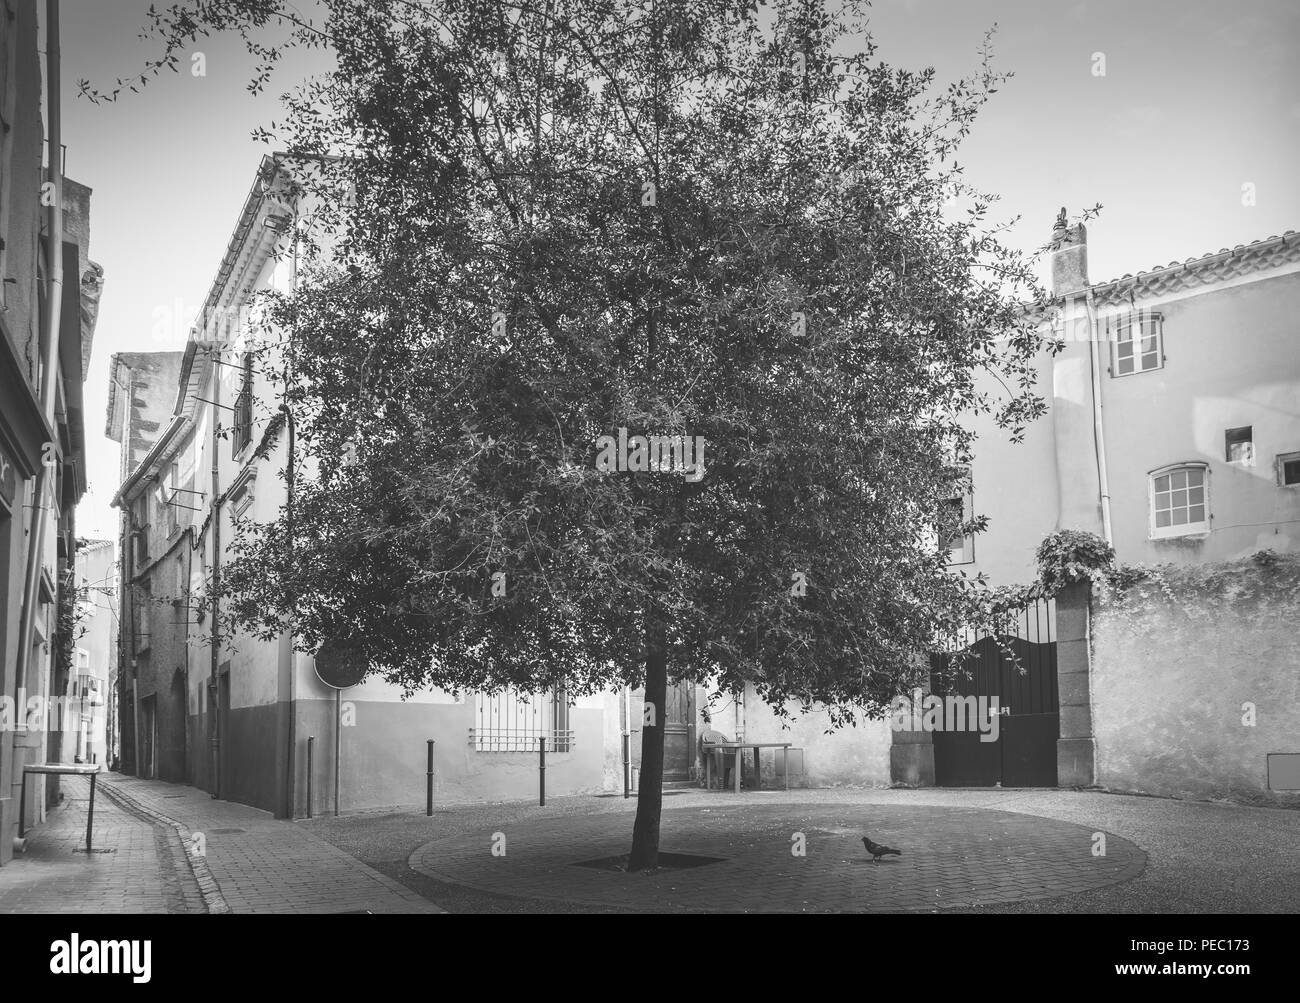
514 721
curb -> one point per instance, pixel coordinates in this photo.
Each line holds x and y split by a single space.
213 900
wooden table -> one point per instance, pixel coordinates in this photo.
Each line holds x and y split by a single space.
710 747
77 769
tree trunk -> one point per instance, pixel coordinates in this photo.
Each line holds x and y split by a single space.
650 790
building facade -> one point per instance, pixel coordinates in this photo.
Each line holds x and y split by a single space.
247 719
42 437
154 631
1172 429
86 699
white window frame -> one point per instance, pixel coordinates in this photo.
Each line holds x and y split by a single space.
1279 467
1151 321
1199 528
1247 459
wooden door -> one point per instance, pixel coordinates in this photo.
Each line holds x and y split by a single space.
679 731
148 736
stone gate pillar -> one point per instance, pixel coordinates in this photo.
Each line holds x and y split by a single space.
1076 749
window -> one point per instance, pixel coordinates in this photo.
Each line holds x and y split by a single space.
1180 504
181 595
1137 342
1288 470
1239 446
955 513
142 615
512 721
243 431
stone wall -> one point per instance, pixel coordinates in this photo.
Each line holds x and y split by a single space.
852 756
1196 680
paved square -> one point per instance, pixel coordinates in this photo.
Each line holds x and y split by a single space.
952 857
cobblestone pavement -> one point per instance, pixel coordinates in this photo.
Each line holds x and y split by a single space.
963 850
134 867
1202 857
264 865
793 858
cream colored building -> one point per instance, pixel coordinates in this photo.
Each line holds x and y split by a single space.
1173 426
256 712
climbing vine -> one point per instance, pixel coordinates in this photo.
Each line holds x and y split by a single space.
1069 556
1258 589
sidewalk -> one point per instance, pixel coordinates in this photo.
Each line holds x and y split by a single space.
261 864
134 867
145 859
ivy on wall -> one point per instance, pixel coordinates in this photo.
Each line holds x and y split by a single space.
1256 588
1069 556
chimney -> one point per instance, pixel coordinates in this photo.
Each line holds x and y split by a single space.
1069 249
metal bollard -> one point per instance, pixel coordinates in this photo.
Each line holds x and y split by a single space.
428 794
627 765
541 772
311 741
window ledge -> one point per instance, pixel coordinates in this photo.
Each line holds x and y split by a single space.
1195 536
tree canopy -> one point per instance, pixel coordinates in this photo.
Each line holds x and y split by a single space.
549 221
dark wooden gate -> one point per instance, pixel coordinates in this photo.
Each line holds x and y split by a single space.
679 729
1024 754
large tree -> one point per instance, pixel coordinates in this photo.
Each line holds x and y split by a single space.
676 217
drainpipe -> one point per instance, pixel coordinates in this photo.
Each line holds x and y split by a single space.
289 499
187 766
53 309
287 639
214 685
1099 432
627 741
131 602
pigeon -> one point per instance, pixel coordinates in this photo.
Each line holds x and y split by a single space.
877 851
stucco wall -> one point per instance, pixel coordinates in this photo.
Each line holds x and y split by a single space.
383 757
1014 484
1230 361
850 756
1172 671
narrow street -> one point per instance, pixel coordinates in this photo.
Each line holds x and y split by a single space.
251 862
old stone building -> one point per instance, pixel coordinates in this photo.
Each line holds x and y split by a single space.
49 300
142 389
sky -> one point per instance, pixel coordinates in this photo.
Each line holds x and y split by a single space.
1198 99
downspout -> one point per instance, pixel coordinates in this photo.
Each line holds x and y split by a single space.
214 685
289 493
135 669
187 767
288 635
53 309
1099 432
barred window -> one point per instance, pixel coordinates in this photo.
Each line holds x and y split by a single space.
514 721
